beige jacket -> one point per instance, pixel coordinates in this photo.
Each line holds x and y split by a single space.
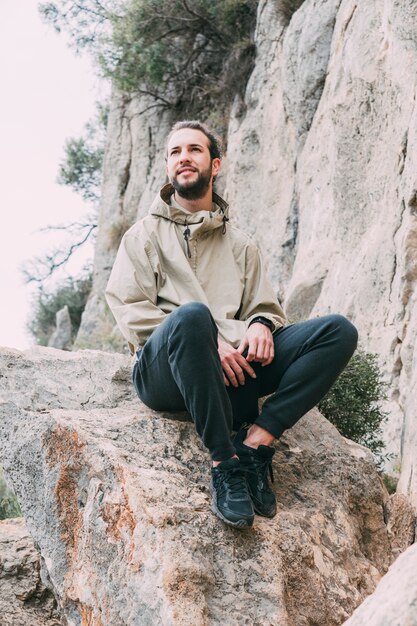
156 271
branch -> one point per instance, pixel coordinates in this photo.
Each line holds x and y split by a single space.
152 106
67 226
96 13
195 52
51 262
156 96
206 20
165 34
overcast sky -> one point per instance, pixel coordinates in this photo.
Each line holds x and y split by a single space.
47 95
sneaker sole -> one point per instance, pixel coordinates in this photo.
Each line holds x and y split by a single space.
261 514
241 523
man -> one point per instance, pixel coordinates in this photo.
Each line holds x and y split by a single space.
191 296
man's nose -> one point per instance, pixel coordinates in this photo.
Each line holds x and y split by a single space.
184 156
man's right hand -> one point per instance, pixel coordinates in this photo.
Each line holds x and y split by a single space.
234 365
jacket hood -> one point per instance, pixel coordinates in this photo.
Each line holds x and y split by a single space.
208 219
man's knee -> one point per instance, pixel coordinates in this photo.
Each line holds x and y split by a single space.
347 331
193 318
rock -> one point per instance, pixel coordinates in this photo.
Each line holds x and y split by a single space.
43 378
394 602
401 523
61 338
116 497
322 171
134 170
24 598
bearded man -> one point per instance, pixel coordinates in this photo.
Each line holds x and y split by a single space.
191 296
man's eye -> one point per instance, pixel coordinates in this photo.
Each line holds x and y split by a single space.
174 152
196 149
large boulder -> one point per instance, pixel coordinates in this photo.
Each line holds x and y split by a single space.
116 497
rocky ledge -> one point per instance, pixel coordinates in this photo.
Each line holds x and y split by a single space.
116 498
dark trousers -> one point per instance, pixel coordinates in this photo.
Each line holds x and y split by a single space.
179 369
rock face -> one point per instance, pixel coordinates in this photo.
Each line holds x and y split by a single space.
61 338
24 599
134 169
394 602
116 497
321 169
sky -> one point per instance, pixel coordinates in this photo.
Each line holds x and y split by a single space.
48 93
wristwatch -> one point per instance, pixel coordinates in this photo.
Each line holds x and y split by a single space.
262 320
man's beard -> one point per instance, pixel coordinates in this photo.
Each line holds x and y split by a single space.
195 190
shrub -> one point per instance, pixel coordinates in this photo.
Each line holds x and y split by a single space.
9 506
73 292
353 403
287 8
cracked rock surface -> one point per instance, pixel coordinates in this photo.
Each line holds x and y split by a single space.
116 498
24 599
394 602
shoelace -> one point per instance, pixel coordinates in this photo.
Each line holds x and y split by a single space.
231 480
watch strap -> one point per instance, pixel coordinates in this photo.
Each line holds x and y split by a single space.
262 320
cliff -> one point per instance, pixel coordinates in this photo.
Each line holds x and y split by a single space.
321 169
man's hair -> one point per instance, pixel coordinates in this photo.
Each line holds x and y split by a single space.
214 141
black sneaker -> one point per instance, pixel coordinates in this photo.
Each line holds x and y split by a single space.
231 500
256 464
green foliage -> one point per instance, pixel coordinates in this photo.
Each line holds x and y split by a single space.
82 166
9 506
353 403
86 21
189 56
73 293
287 8
390 483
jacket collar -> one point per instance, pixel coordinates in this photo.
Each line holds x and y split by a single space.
208 219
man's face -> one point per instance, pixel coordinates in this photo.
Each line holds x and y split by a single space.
189 165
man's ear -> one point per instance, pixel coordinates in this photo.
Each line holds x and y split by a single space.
215 166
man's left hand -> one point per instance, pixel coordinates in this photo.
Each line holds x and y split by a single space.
260 343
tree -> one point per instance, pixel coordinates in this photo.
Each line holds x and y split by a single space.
82 166
188 56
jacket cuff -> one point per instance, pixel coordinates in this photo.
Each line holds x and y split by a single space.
275 320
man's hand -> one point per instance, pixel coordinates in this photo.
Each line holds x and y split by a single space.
234 364
260 343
